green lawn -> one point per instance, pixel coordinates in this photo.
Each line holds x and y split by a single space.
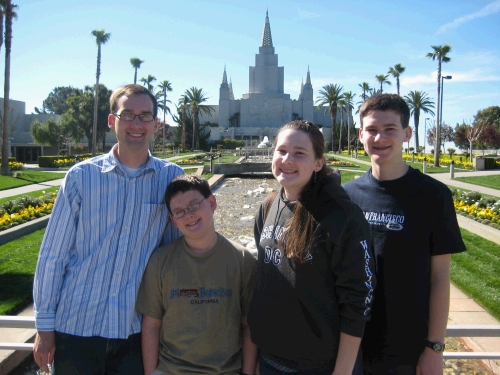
349 175
487 181
17 266
475 271
27 178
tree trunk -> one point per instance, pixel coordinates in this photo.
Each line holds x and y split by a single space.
340 128
135 76
164 119
183 135
333 114
438 124
6 91
349 131
416 118
96 101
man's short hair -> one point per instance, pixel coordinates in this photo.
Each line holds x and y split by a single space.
131 90
386 102
185 183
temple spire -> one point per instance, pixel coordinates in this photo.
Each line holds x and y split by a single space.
224 76
267 40
308 78
231 94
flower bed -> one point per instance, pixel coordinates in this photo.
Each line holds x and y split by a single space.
21 210
16 166
444 161
333 161
474 206
193 160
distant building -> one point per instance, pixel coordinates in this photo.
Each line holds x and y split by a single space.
22 145
266 107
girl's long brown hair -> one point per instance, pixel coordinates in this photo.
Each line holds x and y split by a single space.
298 238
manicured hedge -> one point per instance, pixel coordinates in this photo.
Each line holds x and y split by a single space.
58 161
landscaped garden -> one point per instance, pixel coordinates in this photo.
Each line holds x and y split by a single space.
27 177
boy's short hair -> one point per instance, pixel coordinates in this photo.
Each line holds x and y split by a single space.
184 183
128 91
386 102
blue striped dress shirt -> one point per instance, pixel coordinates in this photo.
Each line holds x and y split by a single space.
103 228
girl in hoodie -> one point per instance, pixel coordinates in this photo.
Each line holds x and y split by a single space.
315 267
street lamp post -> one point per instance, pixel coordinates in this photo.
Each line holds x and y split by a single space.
440 122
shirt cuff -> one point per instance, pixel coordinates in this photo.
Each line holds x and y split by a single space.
45 321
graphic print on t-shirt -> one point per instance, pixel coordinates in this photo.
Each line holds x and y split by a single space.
390 221
201 295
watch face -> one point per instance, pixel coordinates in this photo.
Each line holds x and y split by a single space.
438 347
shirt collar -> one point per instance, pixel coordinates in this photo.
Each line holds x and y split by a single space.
111 162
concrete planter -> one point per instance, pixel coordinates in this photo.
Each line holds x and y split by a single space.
18 231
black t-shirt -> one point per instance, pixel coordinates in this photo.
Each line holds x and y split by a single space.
411 219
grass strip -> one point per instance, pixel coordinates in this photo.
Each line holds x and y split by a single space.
492 181
475 271
17 267
27 178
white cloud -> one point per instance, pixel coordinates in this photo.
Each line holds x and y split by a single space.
486 11
307 15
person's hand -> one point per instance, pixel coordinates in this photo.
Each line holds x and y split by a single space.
430 363
44 349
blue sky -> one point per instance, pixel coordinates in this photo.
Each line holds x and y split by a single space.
189 42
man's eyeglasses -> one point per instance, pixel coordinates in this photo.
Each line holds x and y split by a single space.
191 208
146 117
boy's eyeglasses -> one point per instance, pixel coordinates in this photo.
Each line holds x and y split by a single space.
191 208
146 117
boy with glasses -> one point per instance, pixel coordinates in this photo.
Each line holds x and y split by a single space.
195 293
108 218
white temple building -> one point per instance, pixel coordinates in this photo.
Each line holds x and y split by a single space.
266 107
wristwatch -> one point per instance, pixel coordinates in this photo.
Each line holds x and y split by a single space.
436 346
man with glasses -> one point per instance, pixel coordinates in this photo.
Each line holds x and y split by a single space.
108 217
196 292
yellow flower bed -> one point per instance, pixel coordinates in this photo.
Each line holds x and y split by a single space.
445 161
477 211
16 166
13 213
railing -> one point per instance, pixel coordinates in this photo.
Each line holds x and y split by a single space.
451 331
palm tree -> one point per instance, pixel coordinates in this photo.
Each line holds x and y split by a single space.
349 105
439 54
163 87
3 7
418 101
195 97
329 97
136 64
101 37
10 14
148 82
396 71
183 106
383 78
341 106
365 86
